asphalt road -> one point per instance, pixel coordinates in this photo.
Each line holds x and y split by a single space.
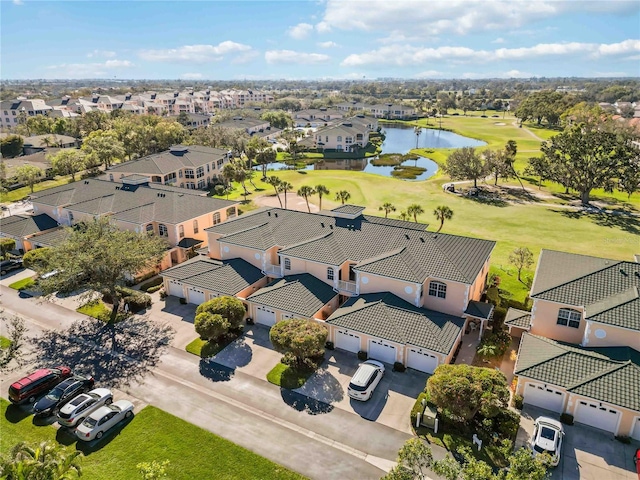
313 439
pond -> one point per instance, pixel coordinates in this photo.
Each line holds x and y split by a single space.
398 140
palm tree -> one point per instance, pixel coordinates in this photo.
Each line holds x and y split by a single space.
404 216
228 173
321 190
414 210
285 187
275 183
306 191
343 196
442 213
46 460
387 207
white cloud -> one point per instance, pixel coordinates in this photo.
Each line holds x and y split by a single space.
328 44
498 40
291 57
88 70
195 53
517 74
101 53
18 2
405 55
191 76
452 16
300 31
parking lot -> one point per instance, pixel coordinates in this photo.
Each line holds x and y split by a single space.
587 453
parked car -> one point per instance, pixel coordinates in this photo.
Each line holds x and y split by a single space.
547 438
365 380
78 408
104 418
9 265
28 388
61 394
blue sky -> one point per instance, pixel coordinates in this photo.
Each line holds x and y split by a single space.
330 39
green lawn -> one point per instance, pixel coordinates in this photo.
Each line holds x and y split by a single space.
288 377
4 342
151 435
204 348
23 284
95 309
24 192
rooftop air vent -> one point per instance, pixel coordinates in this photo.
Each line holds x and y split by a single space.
269 213
623 272
275 215
422 239
322 224
637 274
178 150
86 182
406 236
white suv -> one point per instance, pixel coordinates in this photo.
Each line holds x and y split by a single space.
74 412
547 438
365 380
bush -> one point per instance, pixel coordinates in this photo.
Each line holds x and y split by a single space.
399 367
518 401
417 407
329 345
229 307
147 286
302 341
154 289
495 344
623 439
6 245
136 300
362 355
566 418
183 301
163 294
211 326
493 295
506 424
36 259
249 321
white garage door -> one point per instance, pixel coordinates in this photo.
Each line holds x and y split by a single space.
195 296
597 416
348 341
421 360
380 350
265 316
635 433
175 288
542 397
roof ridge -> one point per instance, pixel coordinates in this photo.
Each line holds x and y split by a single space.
309 240
382 256
618 262
455 265
244 230
615 366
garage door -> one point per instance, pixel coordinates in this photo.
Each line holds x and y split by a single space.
287 316
543 397
635 433
597 416
265 316
195 296
421 360
380 350
175 288
348 341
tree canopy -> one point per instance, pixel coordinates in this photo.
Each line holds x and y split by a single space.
68 161
11 146
302 341
229 308
466 164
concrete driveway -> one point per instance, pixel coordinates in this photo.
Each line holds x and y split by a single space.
587 453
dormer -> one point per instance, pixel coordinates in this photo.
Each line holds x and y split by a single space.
350 212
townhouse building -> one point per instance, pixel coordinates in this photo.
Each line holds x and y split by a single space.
14 110
580 346
379 285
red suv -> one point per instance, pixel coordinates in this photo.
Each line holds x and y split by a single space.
28 388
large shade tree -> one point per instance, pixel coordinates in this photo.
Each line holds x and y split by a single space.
29 175
99 256
68 161
302 341
466 164
103 148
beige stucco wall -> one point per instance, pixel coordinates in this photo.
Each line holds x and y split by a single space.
375 283
235 251
455 303
544 316
215 249
318 270
479 284
615 336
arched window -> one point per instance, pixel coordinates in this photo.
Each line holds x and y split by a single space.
329 273
149 229
287 264
437 289
162 230
339 139
195 226
569 317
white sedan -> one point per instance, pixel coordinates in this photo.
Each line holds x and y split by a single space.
75 411
547 438
106 417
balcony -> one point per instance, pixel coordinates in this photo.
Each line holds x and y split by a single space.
272 270
346 288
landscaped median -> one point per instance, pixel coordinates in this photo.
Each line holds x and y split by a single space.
192 452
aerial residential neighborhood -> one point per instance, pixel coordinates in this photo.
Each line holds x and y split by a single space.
328 240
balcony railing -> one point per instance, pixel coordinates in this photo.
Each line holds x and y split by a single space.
272 270
347 287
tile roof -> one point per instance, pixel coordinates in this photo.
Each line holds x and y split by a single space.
130 203
51 238
171 160
301 294
479 309
349 209
52 139
387 316
228 277
610 374
518 318
385 247
607 289
23 225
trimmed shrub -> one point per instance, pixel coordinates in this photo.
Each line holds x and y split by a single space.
211 326
136 300
518 401
362 355
566 418
249 321
154 289
229 307
6 245
329 345
163 294
183 301
147 286
399 367
36 259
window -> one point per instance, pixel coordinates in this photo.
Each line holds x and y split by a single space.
188 173
191 185
195 226
208 168
216 218
287 264
150 229
329 273
220 163
111 177
202 184
437 289
180 173
200 172
569 317
339 138
181 231
162 229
